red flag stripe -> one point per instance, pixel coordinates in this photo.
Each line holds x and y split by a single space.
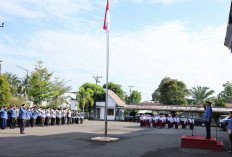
107 8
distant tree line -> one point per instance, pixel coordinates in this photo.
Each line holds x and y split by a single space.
175 92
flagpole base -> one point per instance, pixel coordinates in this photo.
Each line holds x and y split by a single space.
105 139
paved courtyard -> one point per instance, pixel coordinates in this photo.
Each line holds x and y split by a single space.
74 140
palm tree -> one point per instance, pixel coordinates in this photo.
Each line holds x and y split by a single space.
14 82
85 97
201 94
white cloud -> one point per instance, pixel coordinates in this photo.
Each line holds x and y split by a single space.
44 8
140 58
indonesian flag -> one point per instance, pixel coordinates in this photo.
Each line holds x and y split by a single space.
107 19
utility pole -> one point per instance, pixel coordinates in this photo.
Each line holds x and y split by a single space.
2 25
1 66
26 79
97 78
130 88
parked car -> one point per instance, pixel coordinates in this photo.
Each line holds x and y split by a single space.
132 117
197 120
223 117
223 122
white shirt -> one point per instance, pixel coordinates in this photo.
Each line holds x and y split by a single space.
63 113
53 114
163 119
148 118
58 113
170 119
177 119
39 113
191 121
43 114
69 114
47 113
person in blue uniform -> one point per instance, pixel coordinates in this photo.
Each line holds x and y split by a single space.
4 116
28 117
207 118
229 131
13 117
33 117
23 117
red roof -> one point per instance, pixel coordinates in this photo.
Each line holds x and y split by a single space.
150 103
115 97
228 105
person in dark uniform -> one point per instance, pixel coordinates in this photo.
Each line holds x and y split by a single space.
207 118
33 117
28 117
3 117
229 131
13 117
23 117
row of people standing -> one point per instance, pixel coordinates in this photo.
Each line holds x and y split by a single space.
160 121
38 116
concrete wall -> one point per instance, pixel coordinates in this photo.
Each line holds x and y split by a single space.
111 105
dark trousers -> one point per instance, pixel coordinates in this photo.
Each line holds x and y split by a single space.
12 122
52 121
22 125
77 120
63 121
191 126
73 120
57 121
18 121
32 122
38 121
47 119
68 120
207 126
27 122
81 121
230 136
3 123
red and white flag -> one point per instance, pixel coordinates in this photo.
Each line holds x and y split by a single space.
107 19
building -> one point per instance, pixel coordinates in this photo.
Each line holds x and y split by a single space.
115 109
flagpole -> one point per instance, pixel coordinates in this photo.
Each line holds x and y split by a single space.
107 75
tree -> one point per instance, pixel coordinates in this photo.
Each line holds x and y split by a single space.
134 98
156 95
5 94
98 94
85 98
219 102
59 88
226 94
116 89
201 94
14 82
173 92
40 85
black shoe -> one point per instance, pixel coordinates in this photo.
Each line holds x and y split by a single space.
208 138
22 133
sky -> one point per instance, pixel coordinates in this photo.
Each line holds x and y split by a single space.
149 40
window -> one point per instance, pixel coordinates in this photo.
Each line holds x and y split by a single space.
110 112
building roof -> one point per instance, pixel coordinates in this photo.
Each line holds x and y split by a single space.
228 105
115 98
177 108
148 103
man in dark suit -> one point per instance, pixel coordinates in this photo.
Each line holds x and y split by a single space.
207 118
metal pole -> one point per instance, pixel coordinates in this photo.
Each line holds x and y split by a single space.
0 67
107 74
